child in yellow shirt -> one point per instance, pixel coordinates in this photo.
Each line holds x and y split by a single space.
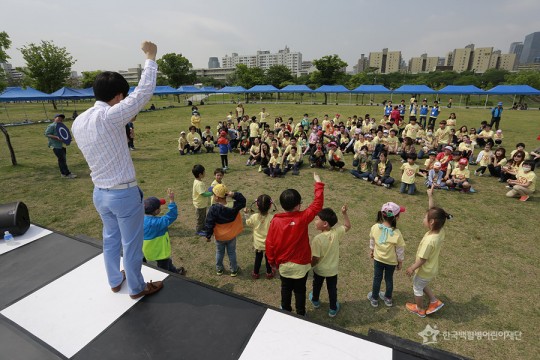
525 182
260 222
325 256
426 266
387 249
408 177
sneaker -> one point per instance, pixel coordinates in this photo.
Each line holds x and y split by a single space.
316 304
225 168
524 198
333 313
219 272
365 179
260 168
476 173
374 302
414 309
255 276
235 272
386 186
70 176
271 275
509 186
433 307
201 233
387 301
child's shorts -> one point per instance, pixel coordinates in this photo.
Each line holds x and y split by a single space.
418 285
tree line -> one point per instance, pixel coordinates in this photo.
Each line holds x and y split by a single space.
48 68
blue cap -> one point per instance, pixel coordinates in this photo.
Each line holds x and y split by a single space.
500 103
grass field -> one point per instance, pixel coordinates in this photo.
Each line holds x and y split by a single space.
489 263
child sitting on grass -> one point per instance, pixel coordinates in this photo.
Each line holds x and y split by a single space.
325 256
525 182
157 243
426 266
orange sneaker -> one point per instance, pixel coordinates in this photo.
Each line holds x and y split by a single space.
433 307
524 198
414 309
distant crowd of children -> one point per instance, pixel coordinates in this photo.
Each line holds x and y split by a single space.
282 147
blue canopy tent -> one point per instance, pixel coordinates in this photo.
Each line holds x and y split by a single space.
165 90
413 90
230 90
263 89
88 92
17 94
296 89
68 94
332 89
461 90
521 90
370 89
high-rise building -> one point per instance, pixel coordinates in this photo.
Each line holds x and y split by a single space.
213 63
462 58
265 59
423 64
361 65
531 49
385 61
481 58
516 48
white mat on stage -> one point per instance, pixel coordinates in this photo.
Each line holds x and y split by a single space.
75 308
33 233
280 336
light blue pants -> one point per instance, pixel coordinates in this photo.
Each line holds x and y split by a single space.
230 246
122 214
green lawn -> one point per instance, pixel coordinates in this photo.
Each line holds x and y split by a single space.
489 263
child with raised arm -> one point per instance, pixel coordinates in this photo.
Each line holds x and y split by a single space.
157 243
287 244
325 256
387 249
426 266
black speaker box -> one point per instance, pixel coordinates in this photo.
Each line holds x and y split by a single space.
14 218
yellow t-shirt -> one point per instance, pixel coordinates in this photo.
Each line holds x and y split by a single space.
485 160
263 116
381 168
522 177
260 224
274 161
255 149
199 201
420 134
293 271
409 173
461 174
465 147
196 121
385 250
429 249
253 129
285 142
442 135
191 138
411 130
486 134
335 155
294 159
392 142
325 246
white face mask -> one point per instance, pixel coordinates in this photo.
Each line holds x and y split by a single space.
429 133
526 169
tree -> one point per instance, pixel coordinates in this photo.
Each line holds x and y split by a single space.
47 66
247 77
88 78
277 75
177 69
5 43
527 77
330 71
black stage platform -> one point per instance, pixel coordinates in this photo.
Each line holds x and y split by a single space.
55 304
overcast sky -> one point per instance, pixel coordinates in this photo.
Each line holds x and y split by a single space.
106 35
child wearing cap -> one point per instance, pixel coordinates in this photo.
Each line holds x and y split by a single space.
335 157
223 144
225 224
445 157
325 256
287 244
183 147
460 176
157 243
435 177
426 266
409 170
387 249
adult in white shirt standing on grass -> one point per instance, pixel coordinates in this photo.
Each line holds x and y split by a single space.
101 136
